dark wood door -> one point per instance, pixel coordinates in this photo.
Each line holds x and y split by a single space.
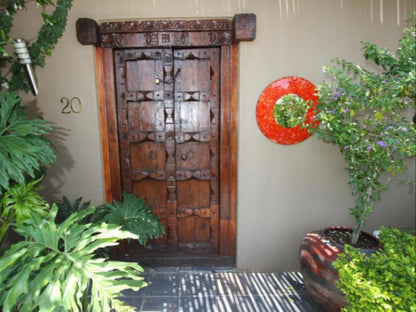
168 126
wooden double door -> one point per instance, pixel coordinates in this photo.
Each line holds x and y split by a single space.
168 110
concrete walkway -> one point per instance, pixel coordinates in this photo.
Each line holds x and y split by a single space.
220 290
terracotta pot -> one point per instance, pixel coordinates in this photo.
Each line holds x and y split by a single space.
317 252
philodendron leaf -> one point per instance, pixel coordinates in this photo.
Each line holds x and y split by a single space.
23 200
135 216
55 268
23 146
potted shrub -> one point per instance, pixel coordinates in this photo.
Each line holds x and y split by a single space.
383 281
368 114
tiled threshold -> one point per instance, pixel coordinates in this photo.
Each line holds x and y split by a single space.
220 289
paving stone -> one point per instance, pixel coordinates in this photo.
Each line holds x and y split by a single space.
198 303
134 301
160 304
274 283
230 284
197 284
282 303
237 304
206 290
163 284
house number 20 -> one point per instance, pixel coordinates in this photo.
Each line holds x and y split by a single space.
73 105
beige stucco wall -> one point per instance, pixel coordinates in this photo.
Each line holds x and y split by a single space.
283 191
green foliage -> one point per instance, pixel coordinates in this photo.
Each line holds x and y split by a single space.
23 146
290 110
52 29
22 201
383 281
65 208
133 215
368 115
55 268
48 35
18 204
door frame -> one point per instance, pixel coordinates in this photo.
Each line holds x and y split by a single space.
224 33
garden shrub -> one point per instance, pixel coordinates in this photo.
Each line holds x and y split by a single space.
383 281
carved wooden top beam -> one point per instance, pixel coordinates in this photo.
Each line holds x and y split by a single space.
167 33
166 25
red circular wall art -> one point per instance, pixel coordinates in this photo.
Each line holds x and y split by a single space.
267 101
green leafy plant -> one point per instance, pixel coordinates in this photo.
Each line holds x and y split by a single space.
368 115
52 29
290 110
19 203
134 216
383 281
54 269
23 145
65 208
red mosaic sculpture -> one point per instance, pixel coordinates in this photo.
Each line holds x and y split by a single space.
265 105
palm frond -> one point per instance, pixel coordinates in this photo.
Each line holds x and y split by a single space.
23 146
55 268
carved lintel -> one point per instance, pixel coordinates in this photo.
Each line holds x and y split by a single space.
165 39
167 33
244 27
166 25
87 31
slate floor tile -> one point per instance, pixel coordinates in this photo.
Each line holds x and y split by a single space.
198 303
141 292
196 284
291 303
237 304
230 284
161 284
274 283
134 301
160 304
179 290
291 281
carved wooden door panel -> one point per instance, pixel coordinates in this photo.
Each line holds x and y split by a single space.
168 108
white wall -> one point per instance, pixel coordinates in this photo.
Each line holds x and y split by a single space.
283 191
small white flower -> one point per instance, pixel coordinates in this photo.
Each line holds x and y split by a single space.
5 85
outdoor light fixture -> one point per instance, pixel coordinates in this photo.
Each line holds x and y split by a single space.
24 59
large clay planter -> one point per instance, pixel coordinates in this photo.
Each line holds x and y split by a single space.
317 252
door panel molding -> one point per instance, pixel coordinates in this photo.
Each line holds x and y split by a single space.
222 33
